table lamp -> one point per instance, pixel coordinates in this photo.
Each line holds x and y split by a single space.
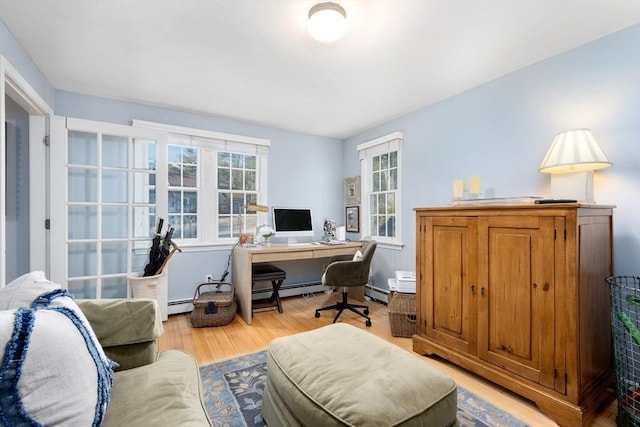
571 160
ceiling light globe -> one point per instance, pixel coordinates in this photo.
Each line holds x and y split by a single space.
327 22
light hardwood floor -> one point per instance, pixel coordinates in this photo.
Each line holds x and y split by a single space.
209 345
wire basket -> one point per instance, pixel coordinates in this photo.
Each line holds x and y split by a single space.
625 323
402 314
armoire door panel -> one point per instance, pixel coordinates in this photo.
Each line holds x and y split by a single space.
515 290
448 278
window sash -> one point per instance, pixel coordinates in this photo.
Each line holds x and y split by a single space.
380 163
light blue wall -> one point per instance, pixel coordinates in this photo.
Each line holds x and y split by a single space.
502 130
304 171
17 57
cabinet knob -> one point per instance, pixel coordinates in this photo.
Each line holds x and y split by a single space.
473 289
482 291
506 348
546 286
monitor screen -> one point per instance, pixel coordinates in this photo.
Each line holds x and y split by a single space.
292 222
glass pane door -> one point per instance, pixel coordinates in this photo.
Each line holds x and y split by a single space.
110 209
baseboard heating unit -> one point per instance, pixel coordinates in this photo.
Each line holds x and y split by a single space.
376 293
186 306
181 306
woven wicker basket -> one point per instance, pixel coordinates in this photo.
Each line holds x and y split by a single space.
402 314
213 308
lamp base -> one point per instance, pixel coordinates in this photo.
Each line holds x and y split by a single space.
573 185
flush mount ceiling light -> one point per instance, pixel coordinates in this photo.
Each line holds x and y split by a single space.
327 22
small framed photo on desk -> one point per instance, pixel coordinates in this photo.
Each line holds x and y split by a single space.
352 219
246 238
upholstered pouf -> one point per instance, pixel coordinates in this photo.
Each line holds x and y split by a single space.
340 375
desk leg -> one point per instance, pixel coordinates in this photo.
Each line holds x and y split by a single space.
242 282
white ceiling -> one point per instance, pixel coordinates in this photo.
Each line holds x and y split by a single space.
254 61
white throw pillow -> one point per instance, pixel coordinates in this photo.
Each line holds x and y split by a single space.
33 293
23 290
61 379
357 256
26 289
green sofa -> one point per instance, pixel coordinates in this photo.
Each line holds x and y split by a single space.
149 388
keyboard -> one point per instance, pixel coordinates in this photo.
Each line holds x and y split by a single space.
334 242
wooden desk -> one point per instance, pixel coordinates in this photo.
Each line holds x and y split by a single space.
243 258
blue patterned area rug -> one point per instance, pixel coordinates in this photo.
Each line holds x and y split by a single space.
233 396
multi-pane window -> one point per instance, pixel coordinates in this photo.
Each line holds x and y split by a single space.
380 164
212 179
237 188
183 166
116 181
382 199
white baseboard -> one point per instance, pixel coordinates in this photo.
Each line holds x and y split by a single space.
376 293
186 306
177 307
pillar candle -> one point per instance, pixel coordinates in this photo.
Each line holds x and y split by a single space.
458 189
474 184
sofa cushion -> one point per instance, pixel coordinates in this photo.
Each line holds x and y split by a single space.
50 372
127 329
120 322
164 393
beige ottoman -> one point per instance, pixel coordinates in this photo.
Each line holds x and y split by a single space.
339 375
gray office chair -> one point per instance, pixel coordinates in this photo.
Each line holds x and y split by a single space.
344 271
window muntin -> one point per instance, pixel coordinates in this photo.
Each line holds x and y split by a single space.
237 188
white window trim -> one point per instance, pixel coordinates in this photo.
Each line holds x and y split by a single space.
209 142
367 150
202 133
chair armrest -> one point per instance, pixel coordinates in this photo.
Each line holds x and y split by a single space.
340 258
126 328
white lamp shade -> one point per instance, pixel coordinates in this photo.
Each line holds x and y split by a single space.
574 151
327 22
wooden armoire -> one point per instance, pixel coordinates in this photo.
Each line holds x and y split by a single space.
517 294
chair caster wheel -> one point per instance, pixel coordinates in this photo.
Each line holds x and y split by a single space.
368 323
366 311
317 314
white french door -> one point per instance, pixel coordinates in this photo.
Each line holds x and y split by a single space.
105 198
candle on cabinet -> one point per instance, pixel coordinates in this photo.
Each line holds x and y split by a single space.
458 189
474 184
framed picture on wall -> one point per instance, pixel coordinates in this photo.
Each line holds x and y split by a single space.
352 190
352 219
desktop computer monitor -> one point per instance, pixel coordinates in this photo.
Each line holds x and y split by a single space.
295 224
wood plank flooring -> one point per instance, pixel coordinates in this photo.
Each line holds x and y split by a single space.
209 345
